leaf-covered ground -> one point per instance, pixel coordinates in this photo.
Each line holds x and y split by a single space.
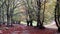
22 29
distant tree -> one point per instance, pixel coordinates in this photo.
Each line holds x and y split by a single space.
29 12
11 6
2 2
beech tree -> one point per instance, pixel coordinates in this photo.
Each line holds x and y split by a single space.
57 14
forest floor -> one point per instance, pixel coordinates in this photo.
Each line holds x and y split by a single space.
22 29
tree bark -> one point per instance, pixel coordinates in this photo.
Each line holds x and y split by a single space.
57 15
39 23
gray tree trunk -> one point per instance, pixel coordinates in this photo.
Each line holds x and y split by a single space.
39 23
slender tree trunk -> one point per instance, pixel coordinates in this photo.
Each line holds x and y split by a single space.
29 12
3 14
12 11
30 16
57 15
0 16
8 15
31 21
11 16
27 22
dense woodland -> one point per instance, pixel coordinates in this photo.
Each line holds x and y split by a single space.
28 11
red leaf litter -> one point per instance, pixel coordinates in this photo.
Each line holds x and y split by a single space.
21 29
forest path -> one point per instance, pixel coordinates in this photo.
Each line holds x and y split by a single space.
22 29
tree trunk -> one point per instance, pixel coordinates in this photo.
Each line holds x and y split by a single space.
31 21
57 15
8 15
39 23
0 16
58 29
27 23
